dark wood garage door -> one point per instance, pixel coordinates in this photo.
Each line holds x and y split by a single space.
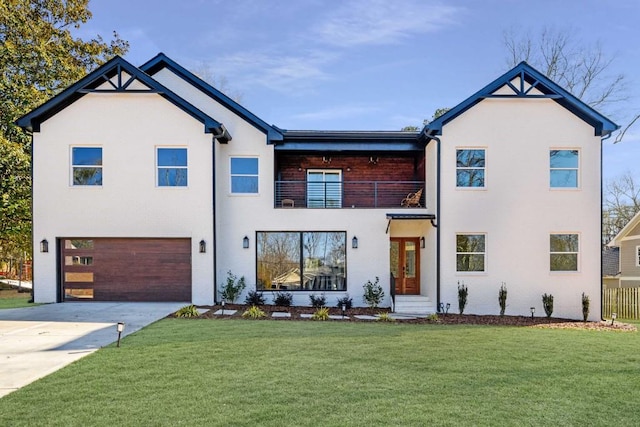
101 269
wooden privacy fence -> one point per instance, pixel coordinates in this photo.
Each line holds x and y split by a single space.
625 302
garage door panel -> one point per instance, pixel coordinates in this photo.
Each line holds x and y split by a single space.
130 270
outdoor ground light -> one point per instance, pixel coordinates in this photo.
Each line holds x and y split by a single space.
222 303
120 328
613 317
203 246
44 245
448 306
343 306
245 242
441 307
533 310
354 242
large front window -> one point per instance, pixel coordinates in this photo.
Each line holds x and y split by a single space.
172 167
301 261
564 249
244 175
86 165
470 168
470 252
324 189
563 168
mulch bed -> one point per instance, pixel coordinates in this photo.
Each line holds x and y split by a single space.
448 319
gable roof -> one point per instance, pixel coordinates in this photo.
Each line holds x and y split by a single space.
117 75
633 222
161 61
537 86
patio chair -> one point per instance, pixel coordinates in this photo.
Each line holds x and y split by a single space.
412 200
288 203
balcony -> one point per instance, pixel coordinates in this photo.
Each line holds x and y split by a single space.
348 194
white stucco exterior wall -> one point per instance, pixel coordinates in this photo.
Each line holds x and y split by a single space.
128 127
517 209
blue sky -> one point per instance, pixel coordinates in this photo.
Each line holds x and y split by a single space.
368 64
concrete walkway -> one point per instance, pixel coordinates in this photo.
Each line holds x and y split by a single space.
37 341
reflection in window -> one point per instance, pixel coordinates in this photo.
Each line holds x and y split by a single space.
244 175
470 165
563 166
470 252
78 244
301 261
78 260
563 252
172 167
86 165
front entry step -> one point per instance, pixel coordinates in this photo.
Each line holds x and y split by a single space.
414 304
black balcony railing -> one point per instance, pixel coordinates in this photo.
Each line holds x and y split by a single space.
349 194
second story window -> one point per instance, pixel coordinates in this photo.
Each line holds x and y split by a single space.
324 188
563 168
172 167
86 165
470 166
244 175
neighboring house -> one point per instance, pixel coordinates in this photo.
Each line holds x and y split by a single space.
627 243
611 267
141 193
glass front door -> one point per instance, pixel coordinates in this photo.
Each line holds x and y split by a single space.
405 265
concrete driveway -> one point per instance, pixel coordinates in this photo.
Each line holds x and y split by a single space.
37 341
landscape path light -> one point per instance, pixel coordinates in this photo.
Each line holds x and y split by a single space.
120 329
613 317
533 311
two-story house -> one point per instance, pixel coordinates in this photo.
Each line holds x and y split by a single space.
150 185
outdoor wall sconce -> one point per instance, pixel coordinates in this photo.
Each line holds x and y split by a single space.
533 311
422 242
44 245
245 242
613 317
203 246
354 242
120 329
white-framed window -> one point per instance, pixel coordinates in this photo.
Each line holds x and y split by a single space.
471 252
86 166
172 167
563 252
324 188
470 167
637 256
564 166
244 175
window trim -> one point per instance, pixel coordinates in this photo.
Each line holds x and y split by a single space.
157 174
484 254
638 256
301 259
73 166
577 169
577 253
484 168
256 175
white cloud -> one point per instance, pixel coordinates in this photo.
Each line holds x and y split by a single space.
338 112
361 22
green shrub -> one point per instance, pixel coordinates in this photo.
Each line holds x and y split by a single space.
317 301
585 307
254 298
385 317
348 302
233 288
547 303
187 311
502 298
433 317
321 313
254 312
373 293
283 299
463 292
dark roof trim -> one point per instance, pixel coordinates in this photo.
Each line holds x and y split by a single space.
354 141
601 124
162 61
405 216
31 121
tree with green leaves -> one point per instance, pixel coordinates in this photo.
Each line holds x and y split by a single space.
39 57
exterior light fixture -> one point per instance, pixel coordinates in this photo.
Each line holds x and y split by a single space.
222 303
343 306
533 311
203 246
422 242
245 242
354 242
448 306
441 307
613 317
120 329
44 246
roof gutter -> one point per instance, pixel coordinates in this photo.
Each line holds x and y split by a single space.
438 218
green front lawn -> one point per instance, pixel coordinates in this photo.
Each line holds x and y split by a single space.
275 373
11 298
